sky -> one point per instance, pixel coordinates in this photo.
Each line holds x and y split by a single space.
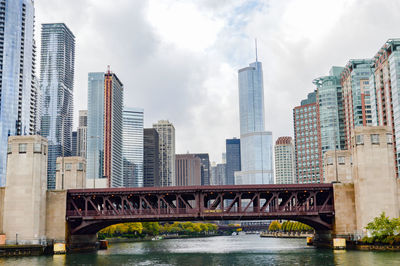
178 59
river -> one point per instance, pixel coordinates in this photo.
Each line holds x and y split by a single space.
220 250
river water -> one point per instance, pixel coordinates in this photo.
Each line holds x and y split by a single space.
220 250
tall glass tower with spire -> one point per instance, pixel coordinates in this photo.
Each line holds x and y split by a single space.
255 142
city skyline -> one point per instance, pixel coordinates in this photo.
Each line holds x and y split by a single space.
290 44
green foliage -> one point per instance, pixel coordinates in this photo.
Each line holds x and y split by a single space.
275 226
288 226
134 230
383 230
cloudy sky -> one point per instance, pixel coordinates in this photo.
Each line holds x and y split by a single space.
178 59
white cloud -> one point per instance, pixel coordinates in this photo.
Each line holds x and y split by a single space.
179 59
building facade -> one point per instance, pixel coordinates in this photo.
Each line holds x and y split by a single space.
284 161
385 92
205 168
331 113
133 146
166 152
18 84
74 143
188 170
150 158
220 174
104 133
307 139
82 134
232 160
57 82
255 142
356 97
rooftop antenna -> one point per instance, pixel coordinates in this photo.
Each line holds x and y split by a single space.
108 69
255 41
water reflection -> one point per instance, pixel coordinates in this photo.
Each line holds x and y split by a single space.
238 250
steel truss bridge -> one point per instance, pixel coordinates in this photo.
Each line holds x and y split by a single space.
90 210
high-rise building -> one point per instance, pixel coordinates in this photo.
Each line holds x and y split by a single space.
214 180
18 84
82 133
331 115
150 158
188 170
133 146
57 82
220 174
232 160
356 97
166 134
205 168
104 133
385 91
74 145
284 161
255 142
307 139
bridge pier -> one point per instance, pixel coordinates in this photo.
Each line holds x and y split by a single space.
323 238
79 243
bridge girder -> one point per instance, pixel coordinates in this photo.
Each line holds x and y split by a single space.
89 210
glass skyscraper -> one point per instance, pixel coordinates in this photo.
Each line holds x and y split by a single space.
133 146
18 84
255 142
232 160
166 152
57 82
331 113
104 132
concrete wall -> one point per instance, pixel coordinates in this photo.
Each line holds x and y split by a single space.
26 183
345 215
2 192
74 173
343 164
375 184
56 203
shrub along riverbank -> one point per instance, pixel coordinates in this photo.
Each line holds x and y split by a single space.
150 229
384 231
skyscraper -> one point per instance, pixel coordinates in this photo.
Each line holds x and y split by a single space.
205 168
82 133
151 158
331 114
104 133
232 160
166 144
307 139
57 82
220 174
74 145
385 91
356 96
18 85
188 170
284 161
133 146
255 142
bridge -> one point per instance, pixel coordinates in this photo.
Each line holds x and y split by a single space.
89 210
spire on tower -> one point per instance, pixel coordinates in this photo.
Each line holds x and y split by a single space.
255 41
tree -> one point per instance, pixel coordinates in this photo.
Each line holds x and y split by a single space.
274 226
382 226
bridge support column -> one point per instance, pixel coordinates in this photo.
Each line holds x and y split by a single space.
78 243
323 238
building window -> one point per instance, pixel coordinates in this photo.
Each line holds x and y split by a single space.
359 139
22 147
68 166
9 148
389 138
44 148
329 161
37 148
341 160
80 166
375 138
58 167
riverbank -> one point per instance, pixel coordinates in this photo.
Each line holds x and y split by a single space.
24 250
284 235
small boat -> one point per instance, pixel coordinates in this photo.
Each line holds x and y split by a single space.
156 238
